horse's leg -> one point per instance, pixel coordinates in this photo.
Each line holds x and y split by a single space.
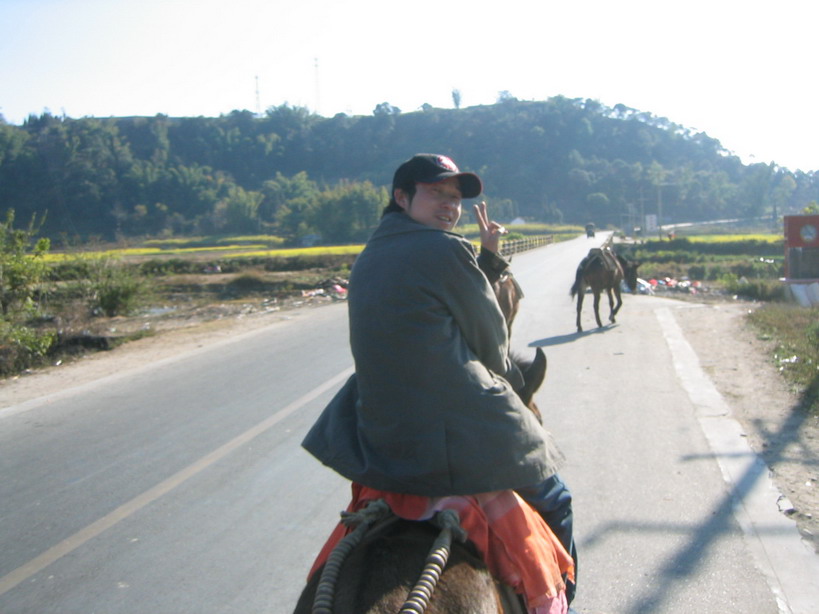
611 304
615 309
597 308
579 308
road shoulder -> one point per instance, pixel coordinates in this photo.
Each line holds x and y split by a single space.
740 365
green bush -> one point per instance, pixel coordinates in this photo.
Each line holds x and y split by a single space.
106 285
68 270
116 289
754 289
22 267
697 271
22 347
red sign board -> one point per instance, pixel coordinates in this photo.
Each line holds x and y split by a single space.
802 246
802 231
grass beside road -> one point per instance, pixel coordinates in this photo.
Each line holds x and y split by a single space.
795 333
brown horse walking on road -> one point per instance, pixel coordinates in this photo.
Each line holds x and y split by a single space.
603 269
378 573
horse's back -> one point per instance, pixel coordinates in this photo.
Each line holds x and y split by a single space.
378 575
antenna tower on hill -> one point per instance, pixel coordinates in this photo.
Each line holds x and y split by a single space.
258 103
318 93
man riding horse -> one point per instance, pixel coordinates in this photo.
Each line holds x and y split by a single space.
431 409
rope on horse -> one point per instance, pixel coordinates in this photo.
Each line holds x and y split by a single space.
365 518
419 597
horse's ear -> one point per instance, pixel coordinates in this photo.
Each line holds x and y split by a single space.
540 363
533 376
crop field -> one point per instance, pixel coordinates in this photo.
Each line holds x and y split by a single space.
256 247
774 239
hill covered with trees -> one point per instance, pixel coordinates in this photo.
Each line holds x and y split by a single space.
292 173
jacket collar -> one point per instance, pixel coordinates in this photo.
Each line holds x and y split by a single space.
399 223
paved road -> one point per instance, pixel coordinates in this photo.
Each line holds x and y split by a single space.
181 487
673 511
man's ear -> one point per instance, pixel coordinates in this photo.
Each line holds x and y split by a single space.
401 198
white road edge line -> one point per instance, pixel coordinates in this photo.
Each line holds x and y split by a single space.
37 564
789 565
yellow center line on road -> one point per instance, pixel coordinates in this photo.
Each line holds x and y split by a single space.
37 564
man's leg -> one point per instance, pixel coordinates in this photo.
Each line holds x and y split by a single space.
553 501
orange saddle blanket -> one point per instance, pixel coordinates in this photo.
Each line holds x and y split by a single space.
517 545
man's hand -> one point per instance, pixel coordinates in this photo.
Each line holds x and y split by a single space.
491 231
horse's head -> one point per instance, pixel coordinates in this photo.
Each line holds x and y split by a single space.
534 372
508 293
629 271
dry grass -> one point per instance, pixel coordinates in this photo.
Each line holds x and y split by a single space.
795 332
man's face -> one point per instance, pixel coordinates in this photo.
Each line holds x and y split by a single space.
435 204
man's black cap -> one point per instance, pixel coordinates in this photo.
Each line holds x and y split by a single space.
432 168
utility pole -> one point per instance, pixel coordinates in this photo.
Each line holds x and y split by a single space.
258 103
643 235
318 96
660 187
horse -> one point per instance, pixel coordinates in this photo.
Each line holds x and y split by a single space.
603 269
508 292
380 571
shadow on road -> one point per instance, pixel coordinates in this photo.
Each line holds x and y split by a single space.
561 339
704 534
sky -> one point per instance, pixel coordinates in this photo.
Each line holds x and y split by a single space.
742 71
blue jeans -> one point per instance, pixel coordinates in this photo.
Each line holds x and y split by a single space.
553 501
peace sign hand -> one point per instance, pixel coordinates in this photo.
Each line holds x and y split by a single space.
491 231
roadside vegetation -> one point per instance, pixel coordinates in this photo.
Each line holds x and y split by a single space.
749 266
60 304
22 270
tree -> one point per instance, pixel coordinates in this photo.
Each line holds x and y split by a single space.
598 207
242 210
505 96
757 190
781 195
281 190
504 209
348 212
12 142
385 108
99 176
456 98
